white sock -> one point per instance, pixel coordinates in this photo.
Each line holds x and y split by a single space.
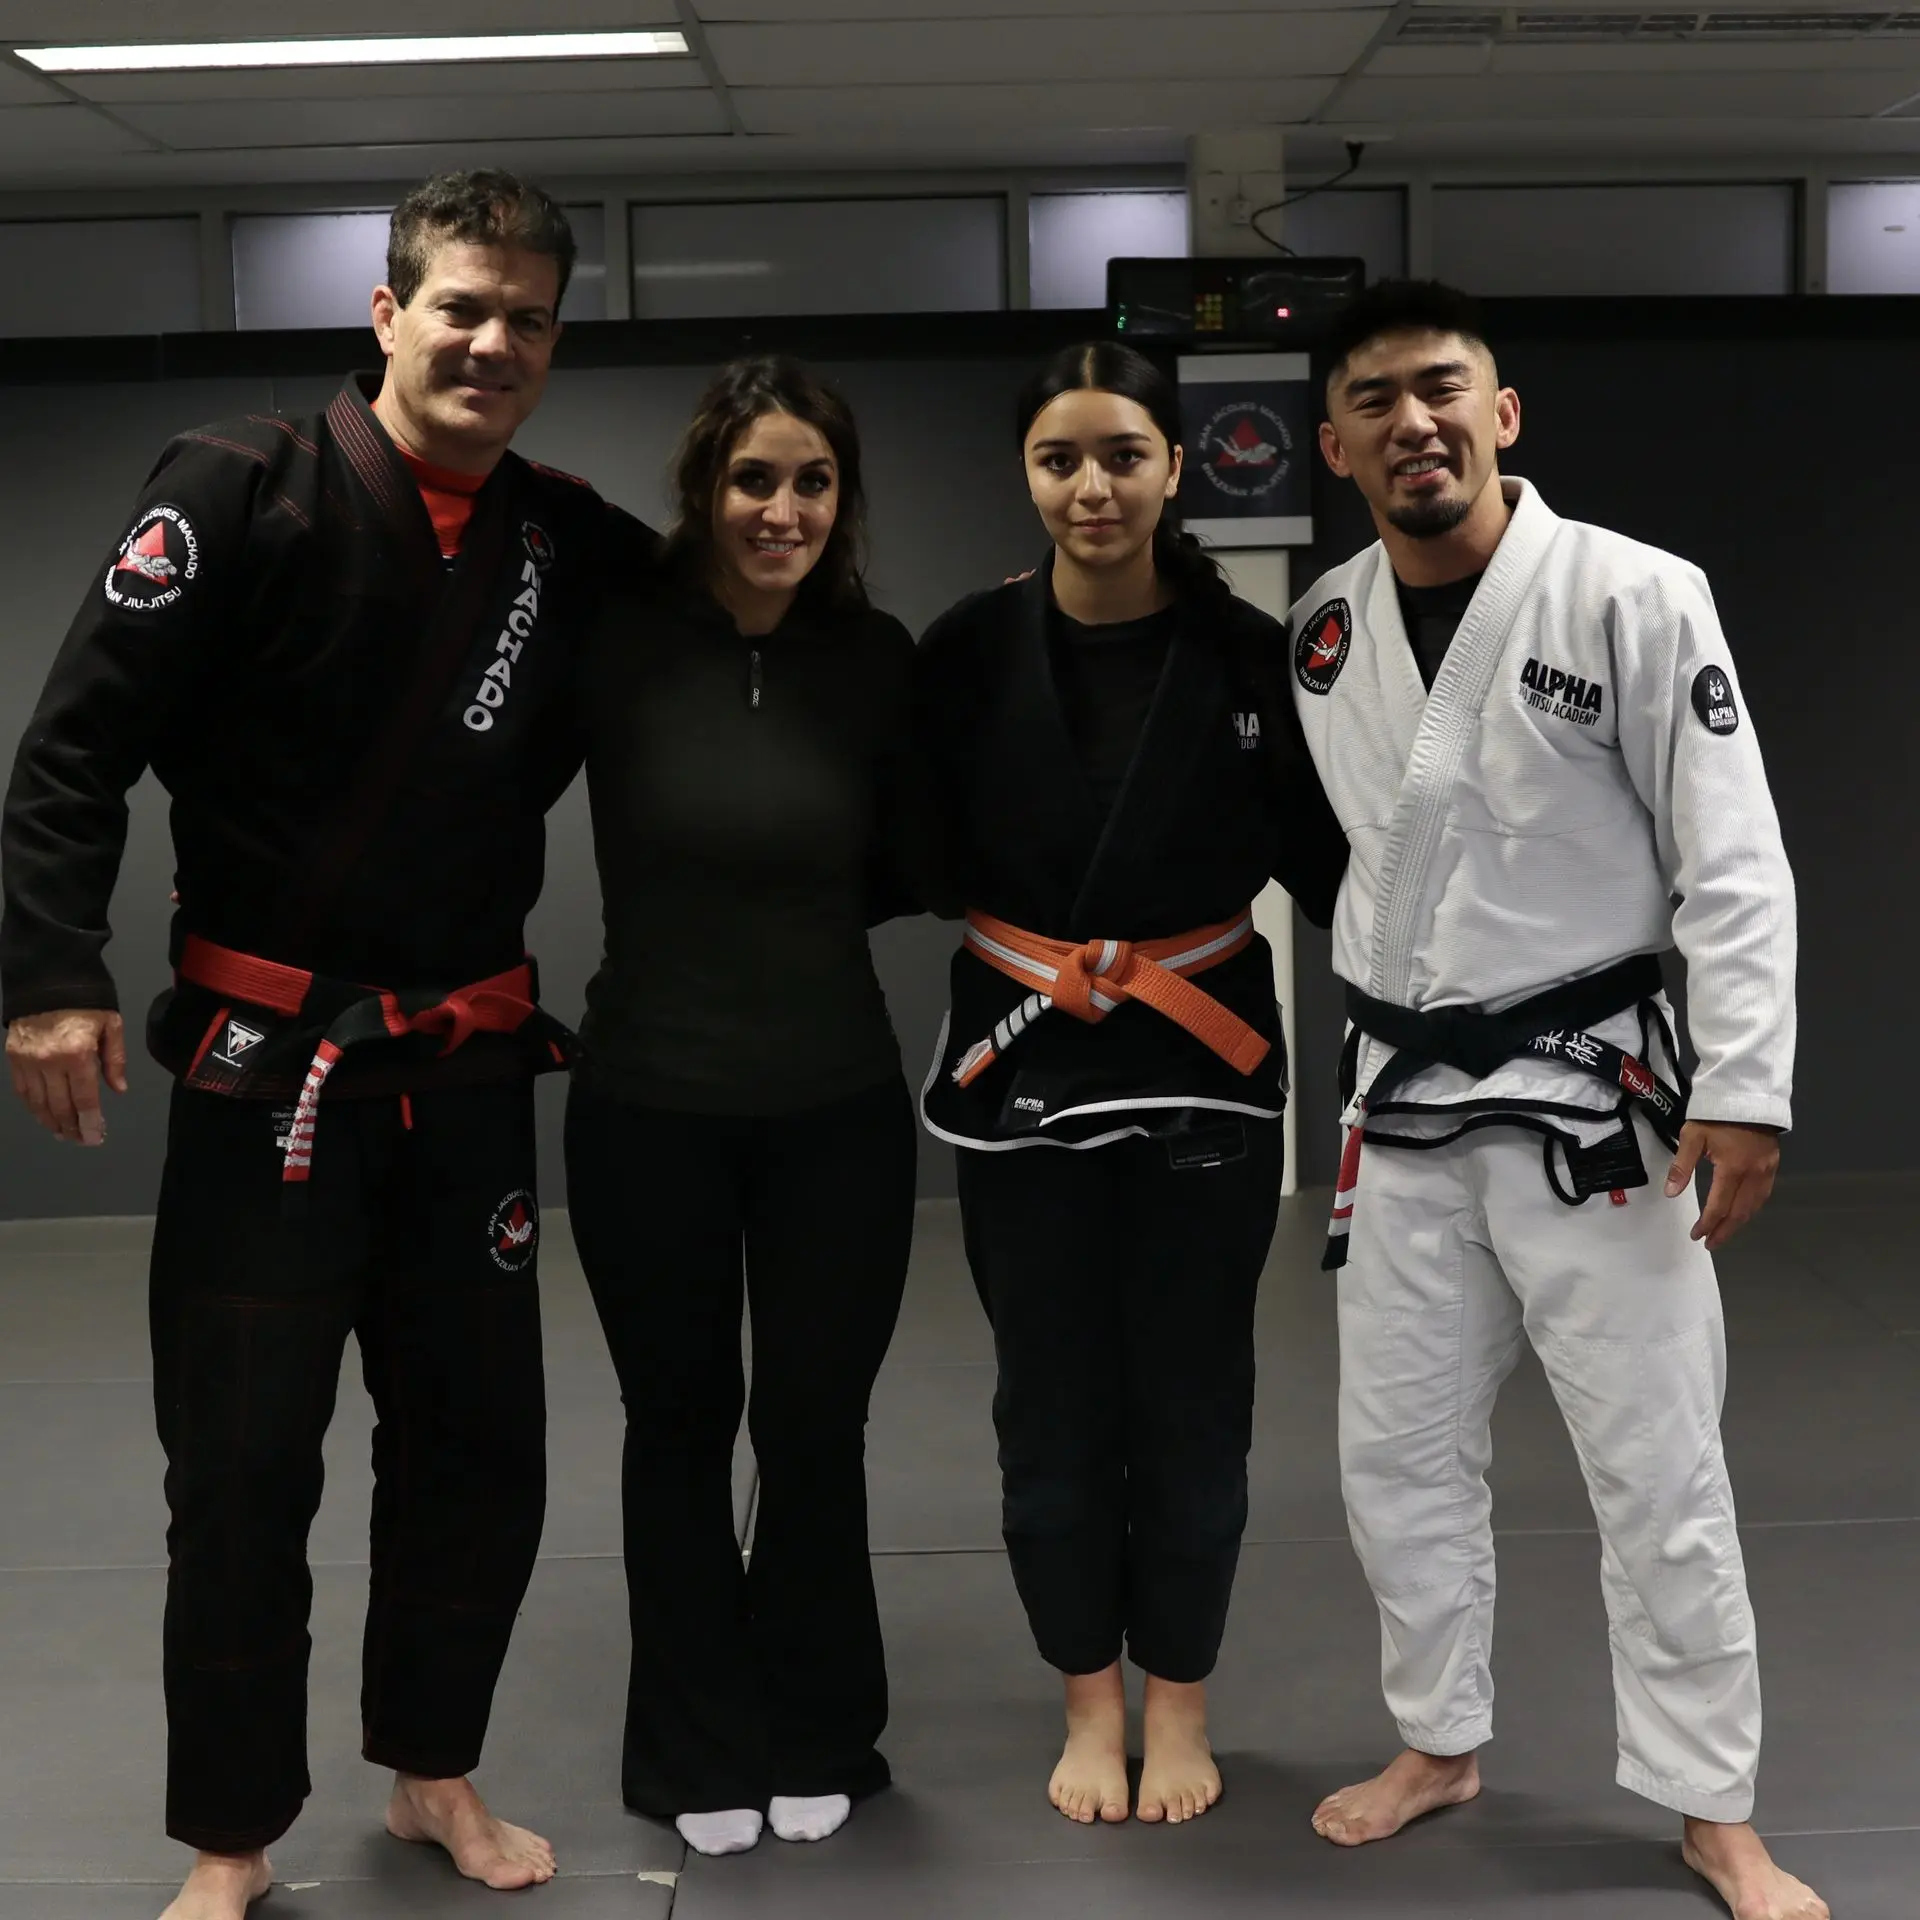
795 1817
735 1831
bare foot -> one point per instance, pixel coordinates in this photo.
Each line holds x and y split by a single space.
1735 1862
1091 1780
1414 1784
449 1814
221 1887
1178 1780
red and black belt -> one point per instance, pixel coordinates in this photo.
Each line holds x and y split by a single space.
350 1014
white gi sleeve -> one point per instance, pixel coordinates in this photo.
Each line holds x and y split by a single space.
1691 753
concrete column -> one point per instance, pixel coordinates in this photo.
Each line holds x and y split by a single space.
1229 177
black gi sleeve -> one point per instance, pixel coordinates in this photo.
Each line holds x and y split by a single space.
944 680
912 868
1310 853
135 655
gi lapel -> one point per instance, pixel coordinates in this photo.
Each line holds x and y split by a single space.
1447 724
1040 751
451 611
1174 740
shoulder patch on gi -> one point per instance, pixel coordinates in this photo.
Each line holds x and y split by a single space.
1321 649
513 1231
1713 700
155 561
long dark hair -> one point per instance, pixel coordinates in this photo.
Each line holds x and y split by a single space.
1105 366
742 392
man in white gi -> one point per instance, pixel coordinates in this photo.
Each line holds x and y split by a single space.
1533 734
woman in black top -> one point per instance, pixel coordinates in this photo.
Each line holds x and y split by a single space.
1121 763
739 1103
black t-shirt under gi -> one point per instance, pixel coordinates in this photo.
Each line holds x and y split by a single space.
1432 616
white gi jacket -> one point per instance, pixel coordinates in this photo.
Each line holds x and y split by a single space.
1582 784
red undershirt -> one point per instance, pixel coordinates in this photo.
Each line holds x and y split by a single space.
449 498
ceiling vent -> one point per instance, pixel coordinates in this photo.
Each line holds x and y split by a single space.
1530 26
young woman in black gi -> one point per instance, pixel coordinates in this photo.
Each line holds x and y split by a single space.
739 1105
1119 760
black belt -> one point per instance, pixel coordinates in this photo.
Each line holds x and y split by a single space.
1552 1025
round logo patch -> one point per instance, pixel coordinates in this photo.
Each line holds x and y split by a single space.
513 1234
539 544
1321 649
1246 450
155 562
1713 700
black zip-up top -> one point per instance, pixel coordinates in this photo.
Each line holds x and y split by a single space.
756 806
1219 797
276 622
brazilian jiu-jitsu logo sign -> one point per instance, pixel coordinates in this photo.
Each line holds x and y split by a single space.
539 544
513 1234
1713 700
1321 650
1246 451
155 561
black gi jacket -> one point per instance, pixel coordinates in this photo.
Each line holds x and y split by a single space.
1211 809
360 743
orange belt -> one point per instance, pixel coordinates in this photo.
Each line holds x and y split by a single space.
1088 980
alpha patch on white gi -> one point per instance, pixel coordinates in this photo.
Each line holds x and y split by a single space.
236 1041
538 542
1713 700
513 1233
1322 647
1565 696
155 562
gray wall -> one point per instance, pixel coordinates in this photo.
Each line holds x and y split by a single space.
949 515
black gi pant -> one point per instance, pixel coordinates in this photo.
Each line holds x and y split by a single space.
420 1239
769 1678
1121 1291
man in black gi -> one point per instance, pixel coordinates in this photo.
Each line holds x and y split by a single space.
390 600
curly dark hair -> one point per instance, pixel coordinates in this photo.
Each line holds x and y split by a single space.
484 207
742 392
1401 306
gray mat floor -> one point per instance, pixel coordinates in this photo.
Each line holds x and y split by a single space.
1823 1431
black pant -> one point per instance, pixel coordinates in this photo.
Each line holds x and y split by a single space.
747 1682
420 1240
1121 1291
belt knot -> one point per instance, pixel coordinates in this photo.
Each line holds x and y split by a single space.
1110 960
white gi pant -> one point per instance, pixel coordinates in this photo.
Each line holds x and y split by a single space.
1455 1253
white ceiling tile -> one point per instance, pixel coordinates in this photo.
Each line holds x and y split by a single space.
48 133
414 82
1705 56
1430 60
1184 104
83 22
1157 47
1625 97
21 87
1002 16
395 122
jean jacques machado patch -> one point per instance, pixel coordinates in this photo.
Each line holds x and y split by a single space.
155 562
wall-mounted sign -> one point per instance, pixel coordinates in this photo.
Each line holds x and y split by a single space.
1249 422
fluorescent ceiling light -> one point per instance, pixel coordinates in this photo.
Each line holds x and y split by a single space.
374 52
